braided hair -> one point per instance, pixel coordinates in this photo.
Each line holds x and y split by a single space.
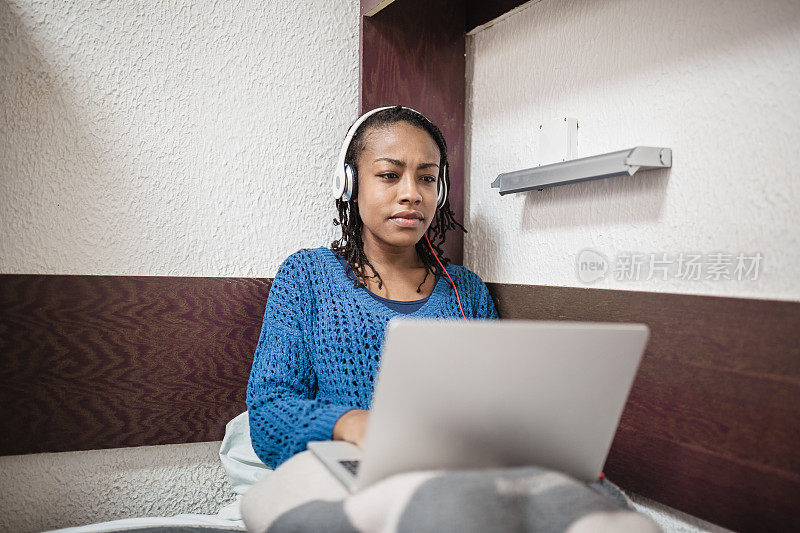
350 246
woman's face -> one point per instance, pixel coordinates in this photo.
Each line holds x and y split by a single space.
397 174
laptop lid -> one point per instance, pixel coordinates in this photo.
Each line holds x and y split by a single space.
483 394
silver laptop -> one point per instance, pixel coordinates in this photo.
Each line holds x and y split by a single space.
488 394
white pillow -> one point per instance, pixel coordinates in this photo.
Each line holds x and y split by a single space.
239 460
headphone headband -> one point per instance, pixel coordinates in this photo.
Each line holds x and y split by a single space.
345 175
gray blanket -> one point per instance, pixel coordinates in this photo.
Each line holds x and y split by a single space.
511 499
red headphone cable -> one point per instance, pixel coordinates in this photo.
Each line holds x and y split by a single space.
448 277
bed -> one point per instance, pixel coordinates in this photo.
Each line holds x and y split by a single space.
243 469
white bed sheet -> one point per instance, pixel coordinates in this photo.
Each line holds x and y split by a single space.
151 521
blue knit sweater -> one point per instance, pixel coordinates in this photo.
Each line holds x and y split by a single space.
320 348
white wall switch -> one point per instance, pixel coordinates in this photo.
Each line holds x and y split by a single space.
558 140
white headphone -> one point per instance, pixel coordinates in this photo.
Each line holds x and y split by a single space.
345 176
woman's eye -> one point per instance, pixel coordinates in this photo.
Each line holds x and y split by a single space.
392 176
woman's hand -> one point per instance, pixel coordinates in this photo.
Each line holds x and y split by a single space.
352 426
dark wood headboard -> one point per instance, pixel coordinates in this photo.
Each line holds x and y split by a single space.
712 425
94 362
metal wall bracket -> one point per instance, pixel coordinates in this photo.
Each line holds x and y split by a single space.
584 169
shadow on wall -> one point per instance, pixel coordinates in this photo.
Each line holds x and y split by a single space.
619 200
481 247
616 200
52 164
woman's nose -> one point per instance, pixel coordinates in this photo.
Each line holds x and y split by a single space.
408 189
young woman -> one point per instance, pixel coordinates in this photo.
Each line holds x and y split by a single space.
319 350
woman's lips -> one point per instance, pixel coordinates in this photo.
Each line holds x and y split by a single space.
407 222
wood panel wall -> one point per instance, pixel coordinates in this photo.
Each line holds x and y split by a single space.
90 362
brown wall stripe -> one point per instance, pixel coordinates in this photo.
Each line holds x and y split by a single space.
106 361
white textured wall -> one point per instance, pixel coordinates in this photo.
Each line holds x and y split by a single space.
54 490
718 82
170 137
166 138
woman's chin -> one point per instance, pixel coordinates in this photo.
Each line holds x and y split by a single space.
403 237
393 235
409 241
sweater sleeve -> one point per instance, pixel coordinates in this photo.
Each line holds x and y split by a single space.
283 411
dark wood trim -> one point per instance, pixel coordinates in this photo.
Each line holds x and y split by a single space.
90 362
412 53
712 424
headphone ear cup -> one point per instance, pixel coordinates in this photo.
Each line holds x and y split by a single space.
350 183
441 192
